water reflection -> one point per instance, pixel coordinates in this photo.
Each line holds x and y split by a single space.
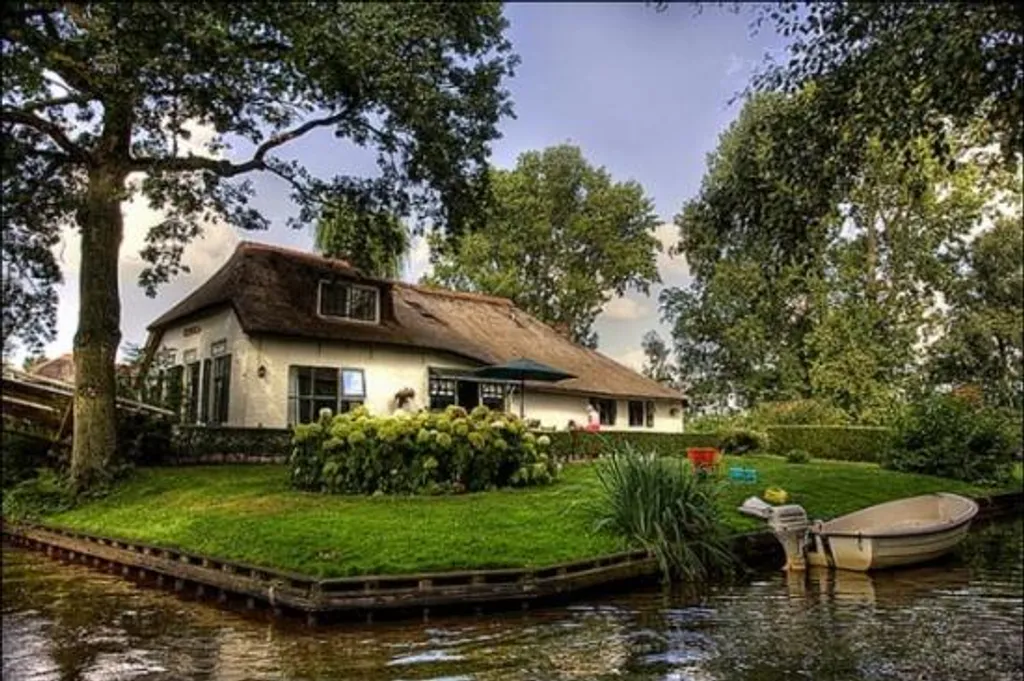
962 619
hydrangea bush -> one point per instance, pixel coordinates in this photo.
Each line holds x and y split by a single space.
426 453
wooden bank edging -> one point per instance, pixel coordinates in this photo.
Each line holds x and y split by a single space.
289 591
283 590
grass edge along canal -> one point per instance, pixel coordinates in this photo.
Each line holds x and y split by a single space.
248 513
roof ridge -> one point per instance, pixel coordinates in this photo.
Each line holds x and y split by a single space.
287 250
450 293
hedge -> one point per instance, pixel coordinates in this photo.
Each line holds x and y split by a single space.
213 444
842 443
581 444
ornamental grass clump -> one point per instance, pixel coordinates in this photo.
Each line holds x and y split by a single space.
426 453
664 506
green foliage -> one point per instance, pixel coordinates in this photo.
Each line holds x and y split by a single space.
797 456
192 444
46 493
812 277
738 441
560 239
23 454
806 412
101 103
842 443
142 440
373 242
952 437
658 364
662 505
905 69
424 453
567 445
983 330
753 240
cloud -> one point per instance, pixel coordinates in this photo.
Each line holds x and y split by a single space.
625 309
633 358
417 263
673 268
736 64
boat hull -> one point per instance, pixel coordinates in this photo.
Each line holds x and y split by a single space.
891 535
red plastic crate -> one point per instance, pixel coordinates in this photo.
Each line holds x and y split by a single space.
702 457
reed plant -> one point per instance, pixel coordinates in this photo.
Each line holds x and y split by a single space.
666 507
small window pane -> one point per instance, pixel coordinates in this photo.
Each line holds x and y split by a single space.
352 383
326 383
364 304
636 413
305 411
334 299
650 414
305 381
606 409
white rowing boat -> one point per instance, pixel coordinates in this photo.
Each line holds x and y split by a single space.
903 532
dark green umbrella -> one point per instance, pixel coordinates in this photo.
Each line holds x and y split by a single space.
523 370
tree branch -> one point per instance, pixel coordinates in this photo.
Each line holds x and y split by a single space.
56 101
48 128
227 168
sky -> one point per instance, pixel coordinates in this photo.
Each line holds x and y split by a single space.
642 93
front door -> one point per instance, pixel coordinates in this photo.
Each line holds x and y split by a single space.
468 394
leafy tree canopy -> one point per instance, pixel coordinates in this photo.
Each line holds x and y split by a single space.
560 239
658 359
902 70
811 279
375 242
982 340
98 98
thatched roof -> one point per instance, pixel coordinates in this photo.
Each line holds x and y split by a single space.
273 291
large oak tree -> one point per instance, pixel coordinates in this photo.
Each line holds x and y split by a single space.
98 98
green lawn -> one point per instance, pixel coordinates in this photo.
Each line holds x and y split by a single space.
248 513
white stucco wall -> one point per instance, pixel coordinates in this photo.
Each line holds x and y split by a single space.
387 370
555 410
263 401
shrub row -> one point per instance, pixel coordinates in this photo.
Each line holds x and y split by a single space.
202 444
841 443
426 453
581 444
955 437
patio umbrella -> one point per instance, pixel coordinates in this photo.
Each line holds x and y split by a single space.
523 370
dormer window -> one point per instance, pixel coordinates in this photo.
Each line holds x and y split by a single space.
349 301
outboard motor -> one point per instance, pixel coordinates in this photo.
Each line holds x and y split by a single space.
790 524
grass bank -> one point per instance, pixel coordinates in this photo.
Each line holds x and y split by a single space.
248 513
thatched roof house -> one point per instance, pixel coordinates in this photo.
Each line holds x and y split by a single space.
290 313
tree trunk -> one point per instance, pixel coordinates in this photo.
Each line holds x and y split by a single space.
99 327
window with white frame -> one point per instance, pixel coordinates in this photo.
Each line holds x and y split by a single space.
220 389
492 396
442 392
349 301
314 388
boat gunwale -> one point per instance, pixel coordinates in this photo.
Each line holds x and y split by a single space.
948 526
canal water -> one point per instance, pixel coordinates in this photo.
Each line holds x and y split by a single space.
961 619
